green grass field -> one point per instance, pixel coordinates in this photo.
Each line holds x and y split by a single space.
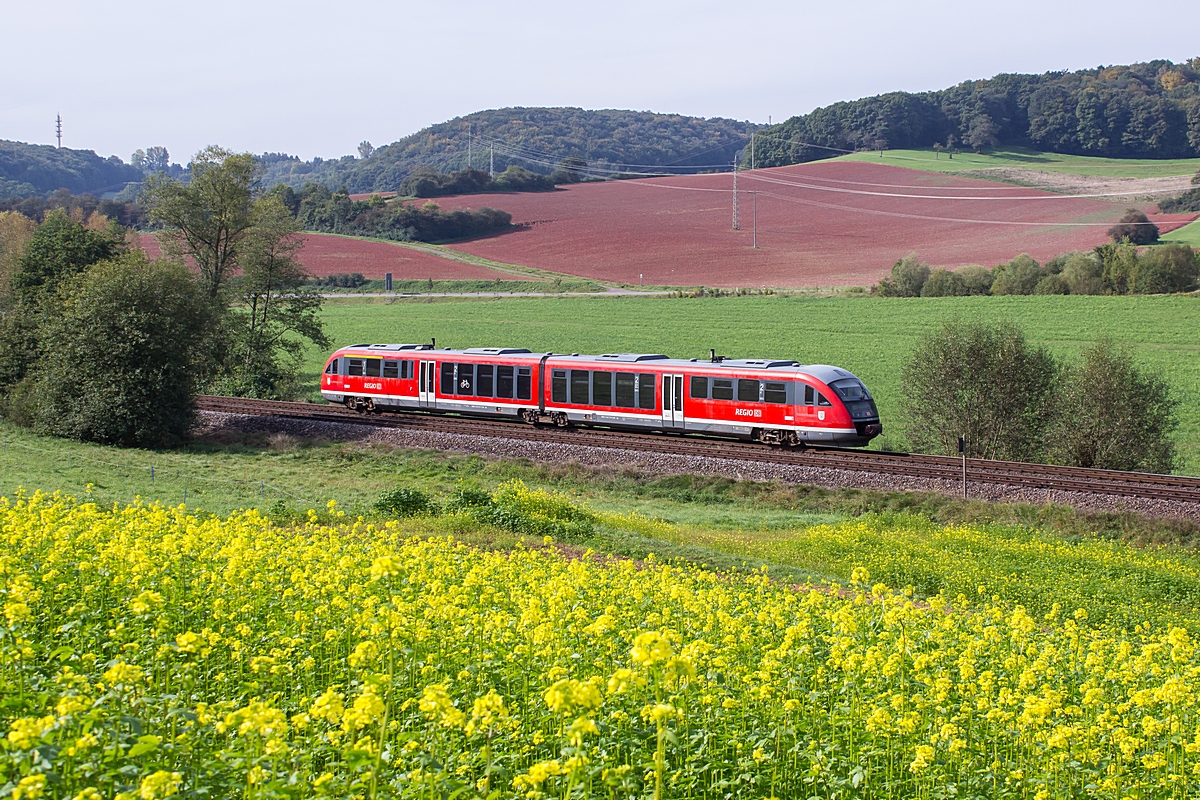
1020 158
1188 234
872 337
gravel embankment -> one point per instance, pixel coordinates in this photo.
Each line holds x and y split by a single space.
669 464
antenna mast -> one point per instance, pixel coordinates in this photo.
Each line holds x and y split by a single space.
58 128
737 222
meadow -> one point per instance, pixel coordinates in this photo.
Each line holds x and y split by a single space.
929 160
872 337
154 652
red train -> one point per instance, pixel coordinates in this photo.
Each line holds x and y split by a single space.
772 401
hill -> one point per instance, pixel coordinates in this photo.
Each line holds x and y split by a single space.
1149 110
31 170
535 138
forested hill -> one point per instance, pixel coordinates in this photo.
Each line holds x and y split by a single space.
534 138
30 170
1147 110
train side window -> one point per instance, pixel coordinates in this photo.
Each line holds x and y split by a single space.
372 367
699 389
558 386
331 369
504 382
625 393
646 397
602 388
580 383
774 392
356 367
406 370
447 377
821 401
391 369
524 383
809 395
722 389
747 390
484 380
466 379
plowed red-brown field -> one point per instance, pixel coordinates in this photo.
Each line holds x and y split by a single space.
819 224
330 255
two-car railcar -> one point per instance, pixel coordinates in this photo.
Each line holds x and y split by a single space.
773 401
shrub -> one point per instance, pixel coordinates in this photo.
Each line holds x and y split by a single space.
1082 272
1134 227
1052 284
404 502
467 499
340 280
977 280
908 278
1111 414
1170 268
119 361
1019 276
1120 265
979 380
943 283
1188 201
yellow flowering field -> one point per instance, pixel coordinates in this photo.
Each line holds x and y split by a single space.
151 652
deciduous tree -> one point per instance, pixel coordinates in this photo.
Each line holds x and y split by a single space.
208 218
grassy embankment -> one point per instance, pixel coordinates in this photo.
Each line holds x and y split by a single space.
928 160
873 337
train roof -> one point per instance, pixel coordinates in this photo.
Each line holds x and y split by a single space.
822 372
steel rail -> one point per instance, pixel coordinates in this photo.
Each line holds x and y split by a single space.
1005 473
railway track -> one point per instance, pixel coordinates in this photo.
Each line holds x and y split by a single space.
1005 473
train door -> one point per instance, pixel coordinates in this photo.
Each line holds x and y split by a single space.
672 406
425 395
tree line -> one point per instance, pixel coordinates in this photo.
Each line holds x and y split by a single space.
428 183
1015 401
100 343
316 208
1109 269
1149 110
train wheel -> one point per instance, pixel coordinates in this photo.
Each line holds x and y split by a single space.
530 416
560 419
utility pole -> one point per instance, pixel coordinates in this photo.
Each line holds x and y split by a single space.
470 141
737 222
58 128
755 240
492 160
752 150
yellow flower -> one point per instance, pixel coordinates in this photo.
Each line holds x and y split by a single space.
650 649
122 674
569 696
385 567
29 788
924 757
368 708
160 784
27 731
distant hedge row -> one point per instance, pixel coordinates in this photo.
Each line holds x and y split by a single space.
1109 269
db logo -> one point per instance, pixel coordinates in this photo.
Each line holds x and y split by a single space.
821 415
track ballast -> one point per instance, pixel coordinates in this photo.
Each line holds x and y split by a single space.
1003 473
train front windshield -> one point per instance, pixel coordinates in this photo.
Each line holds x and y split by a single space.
856 397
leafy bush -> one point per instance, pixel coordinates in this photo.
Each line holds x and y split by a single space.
404 502
1166 269
340 280
1134 227
1083 273
533 512
119 358
1186 202
944 283
334 212
908 278
1111 414
976 280
1052 284
1019 276
982 381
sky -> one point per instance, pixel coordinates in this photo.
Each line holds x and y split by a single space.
316 78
